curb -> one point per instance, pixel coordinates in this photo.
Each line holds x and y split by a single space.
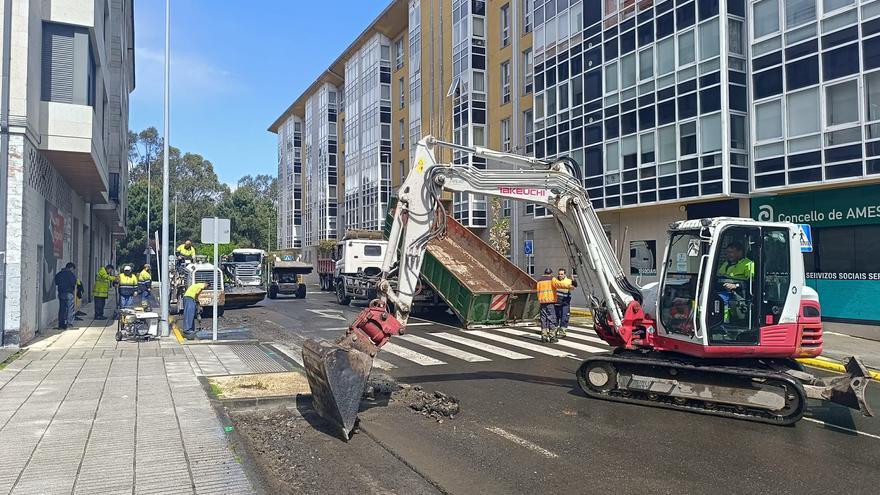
585 313
829 365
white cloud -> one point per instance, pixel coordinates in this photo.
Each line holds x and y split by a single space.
191 75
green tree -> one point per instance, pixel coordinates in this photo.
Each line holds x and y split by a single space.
252 209
499 232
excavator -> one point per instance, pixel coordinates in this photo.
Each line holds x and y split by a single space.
706 338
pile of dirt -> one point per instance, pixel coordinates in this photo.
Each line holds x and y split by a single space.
259 385
435 405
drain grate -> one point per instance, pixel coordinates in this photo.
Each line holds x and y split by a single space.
257 358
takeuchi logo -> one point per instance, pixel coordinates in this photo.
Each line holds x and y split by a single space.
523 191
765 213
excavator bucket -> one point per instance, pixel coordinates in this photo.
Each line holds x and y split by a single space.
337 375
847 390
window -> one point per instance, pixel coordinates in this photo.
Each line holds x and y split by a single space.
528 130
628 152
765 18
528 71
687 138
577 18
401 132
665 56
735 43
841 103
802 111
612 157
479 82
479 135
628 71
646 64
799 12
768 120
647 143
403 171
401 93
505 25
666 143
611 78
505 82
505 135
64 80
829 5
710 133
872 96
686 52
506 209
398 54
527 16
738 132
709 42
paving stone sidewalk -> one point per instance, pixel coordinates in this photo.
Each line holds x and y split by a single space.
81 413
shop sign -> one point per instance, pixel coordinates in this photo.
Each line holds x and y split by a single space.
827 208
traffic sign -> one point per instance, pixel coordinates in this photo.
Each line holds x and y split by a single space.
528 247
806 237
287 257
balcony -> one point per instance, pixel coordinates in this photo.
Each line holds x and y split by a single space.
73 142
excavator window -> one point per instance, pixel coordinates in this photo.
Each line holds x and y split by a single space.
732 315
680 283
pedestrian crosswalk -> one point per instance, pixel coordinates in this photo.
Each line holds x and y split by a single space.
433 347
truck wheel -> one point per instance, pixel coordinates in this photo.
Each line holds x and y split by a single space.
301 291
273 293
340 294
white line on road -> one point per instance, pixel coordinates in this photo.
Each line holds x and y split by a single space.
563 343
338 329
522 442
519 343
445 349
476 344
576 333
850 430
382 365
409 355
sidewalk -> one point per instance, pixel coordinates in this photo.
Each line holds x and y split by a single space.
82 413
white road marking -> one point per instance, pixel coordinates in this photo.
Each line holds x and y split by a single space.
382 365
562 342
578 334
519 343
333 314
410 355
476 344
339 329
522 442
850 430
443 348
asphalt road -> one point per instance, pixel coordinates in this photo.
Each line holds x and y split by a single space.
526 428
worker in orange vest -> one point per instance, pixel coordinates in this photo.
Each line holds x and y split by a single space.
547 299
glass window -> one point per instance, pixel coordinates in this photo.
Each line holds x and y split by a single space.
665 56
710 133
840 62
563 96
768 120
685 48
628 70
646 64
799 12
577 18
738 132
629 152
666 143
842 103
687 139
479 81
765 18
709 42
505 82
829 5
551 103
611 78
528 71
802 73
612 157
767 83
802 112
647 143
872 96
505 25
527 16
735 37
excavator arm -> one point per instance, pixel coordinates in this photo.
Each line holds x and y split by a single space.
338 372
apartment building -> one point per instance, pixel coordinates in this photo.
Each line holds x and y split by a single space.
676 109
68 69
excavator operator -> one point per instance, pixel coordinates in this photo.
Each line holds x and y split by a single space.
735 273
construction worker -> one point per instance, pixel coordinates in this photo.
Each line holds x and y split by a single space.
101 292
65 280
186 251
145 284
128 286
190 308
735 275
563 285
547 299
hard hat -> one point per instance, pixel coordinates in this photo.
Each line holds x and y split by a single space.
127 268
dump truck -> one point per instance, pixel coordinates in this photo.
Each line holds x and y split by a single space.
286 277
479 284
185 274
243 272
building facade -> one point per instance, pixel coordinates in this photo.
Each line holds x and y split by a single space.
676 109
290 193
68 69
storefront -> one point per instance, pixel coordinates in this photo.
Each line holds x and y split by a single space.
844 266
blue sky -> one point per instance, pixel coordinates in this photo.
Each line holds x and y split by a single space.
236 66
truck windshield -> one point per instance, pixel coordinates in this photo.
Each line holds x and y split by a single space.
243 258
372 250
678 299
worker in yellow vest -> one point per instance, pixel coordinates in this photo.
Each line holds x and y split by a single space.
101 291
186 251
128 286
547 300
145 285
563 285
190 308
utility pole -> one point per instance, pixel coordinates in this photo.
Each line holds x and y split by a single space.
149 190
174 244
163 249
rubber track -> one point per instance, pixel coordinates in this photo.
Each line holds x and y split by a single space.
694 405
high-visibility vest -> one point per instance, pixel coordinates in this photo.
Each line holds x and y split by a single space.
546 292
194 289
744 269
145 276
127 280
562 287
102 283
187 253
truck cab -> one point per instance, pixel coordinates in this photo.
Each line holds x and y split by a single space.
358 263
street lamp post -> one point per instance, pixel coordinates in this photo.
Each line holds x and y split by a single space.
149 190
165 287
